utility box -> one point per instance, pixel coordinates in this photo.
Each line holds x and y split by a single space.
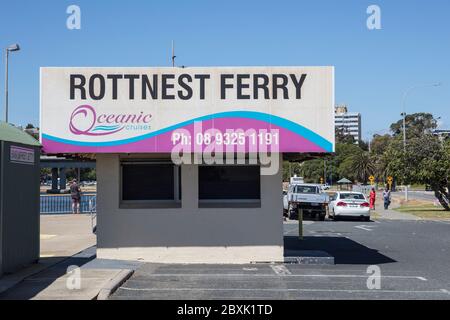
19 199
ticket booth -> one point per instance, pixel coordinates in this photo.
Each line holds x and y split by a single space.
189 161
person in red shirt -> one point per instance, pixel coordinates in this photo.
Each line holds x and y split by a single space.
372 198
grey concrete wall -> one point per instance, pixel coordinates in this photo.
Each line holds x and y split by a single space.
225 235
19 210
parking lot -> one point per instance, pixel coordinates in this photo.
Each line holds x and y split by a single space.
403 250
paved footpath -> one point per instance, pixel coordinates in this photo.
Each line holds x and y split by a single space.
66 243
395 215
391 214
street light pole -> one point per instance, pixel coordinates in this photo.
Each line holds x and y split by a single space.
405 95
11 48
6 84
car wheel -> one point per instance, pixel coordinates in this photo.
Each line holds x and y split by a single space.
332 215
367 219
321 217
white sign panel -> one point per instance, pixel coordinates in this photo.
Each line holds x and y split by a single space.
21 155
144 110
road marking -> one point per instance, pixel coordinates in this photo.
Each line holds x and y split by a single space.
364 227
290 275
422 278
250 269
285 290
280 270
292 230
445 291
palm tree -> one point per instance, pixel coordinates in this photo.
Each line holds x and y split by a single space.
363 165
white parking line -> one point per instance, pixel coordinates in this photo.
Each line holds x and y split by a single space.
250 269
364 227
288 290
445 291
222 275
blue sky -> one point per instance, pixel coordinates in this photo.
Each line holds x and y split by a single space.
373 68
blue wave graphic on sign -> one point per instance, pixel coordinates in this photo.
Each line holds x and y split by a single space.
281 122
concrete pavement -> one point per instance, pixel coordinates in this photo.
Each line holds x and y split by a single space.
391 214
67 269
395 215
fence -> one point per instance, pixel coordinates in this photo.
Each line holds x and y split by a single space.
362 189
59 204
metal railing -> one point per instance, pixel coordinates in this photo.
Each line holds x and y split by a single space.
60 204
363 189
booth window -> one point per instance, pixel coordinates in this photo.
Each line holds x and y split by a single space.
229 186
150 185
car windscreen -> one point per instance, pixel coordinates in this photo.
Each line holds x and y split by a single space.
352 196
306 189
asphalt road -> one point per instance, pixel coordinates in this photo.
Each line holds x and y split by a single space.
413 257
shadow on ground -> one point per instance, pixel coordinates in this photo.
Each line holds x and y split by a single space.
33 285
344 250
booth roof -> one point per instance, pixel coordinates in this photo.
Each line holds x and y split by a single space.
12 134
343 181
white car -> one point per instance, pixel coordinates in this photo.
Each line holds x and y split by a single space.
349 204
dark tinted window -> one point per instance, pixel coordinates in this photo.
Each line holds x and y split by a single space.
148 182
306 189
229 182
352 196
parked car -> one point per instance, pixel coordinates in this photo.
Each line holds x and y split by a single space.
308 197
349 204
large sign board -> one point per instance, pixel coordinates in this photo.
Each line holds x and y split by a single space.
149 110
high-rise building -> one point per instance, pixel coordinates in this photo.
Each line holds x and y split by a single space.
348 122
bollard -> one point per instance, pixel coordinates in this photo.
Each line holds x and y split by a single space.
300 224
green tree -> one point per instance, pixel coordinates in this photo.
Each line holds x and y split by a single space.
379 143
362 165
290 170
417 124
312 170
426 161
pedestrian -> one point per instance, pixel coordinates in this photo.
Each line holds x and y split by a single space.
75 193
372 198
387 198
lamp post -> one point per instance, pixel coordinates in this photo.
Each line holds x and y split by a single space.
11 48
403 114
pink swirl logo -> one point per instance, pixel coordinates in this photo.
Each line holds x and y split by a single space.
85 121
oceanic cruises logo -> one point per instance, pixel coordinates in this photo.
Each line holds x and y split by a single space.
85 121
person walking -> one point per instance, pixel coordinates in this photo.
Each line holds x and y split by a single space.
75 193
372 198
387 198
